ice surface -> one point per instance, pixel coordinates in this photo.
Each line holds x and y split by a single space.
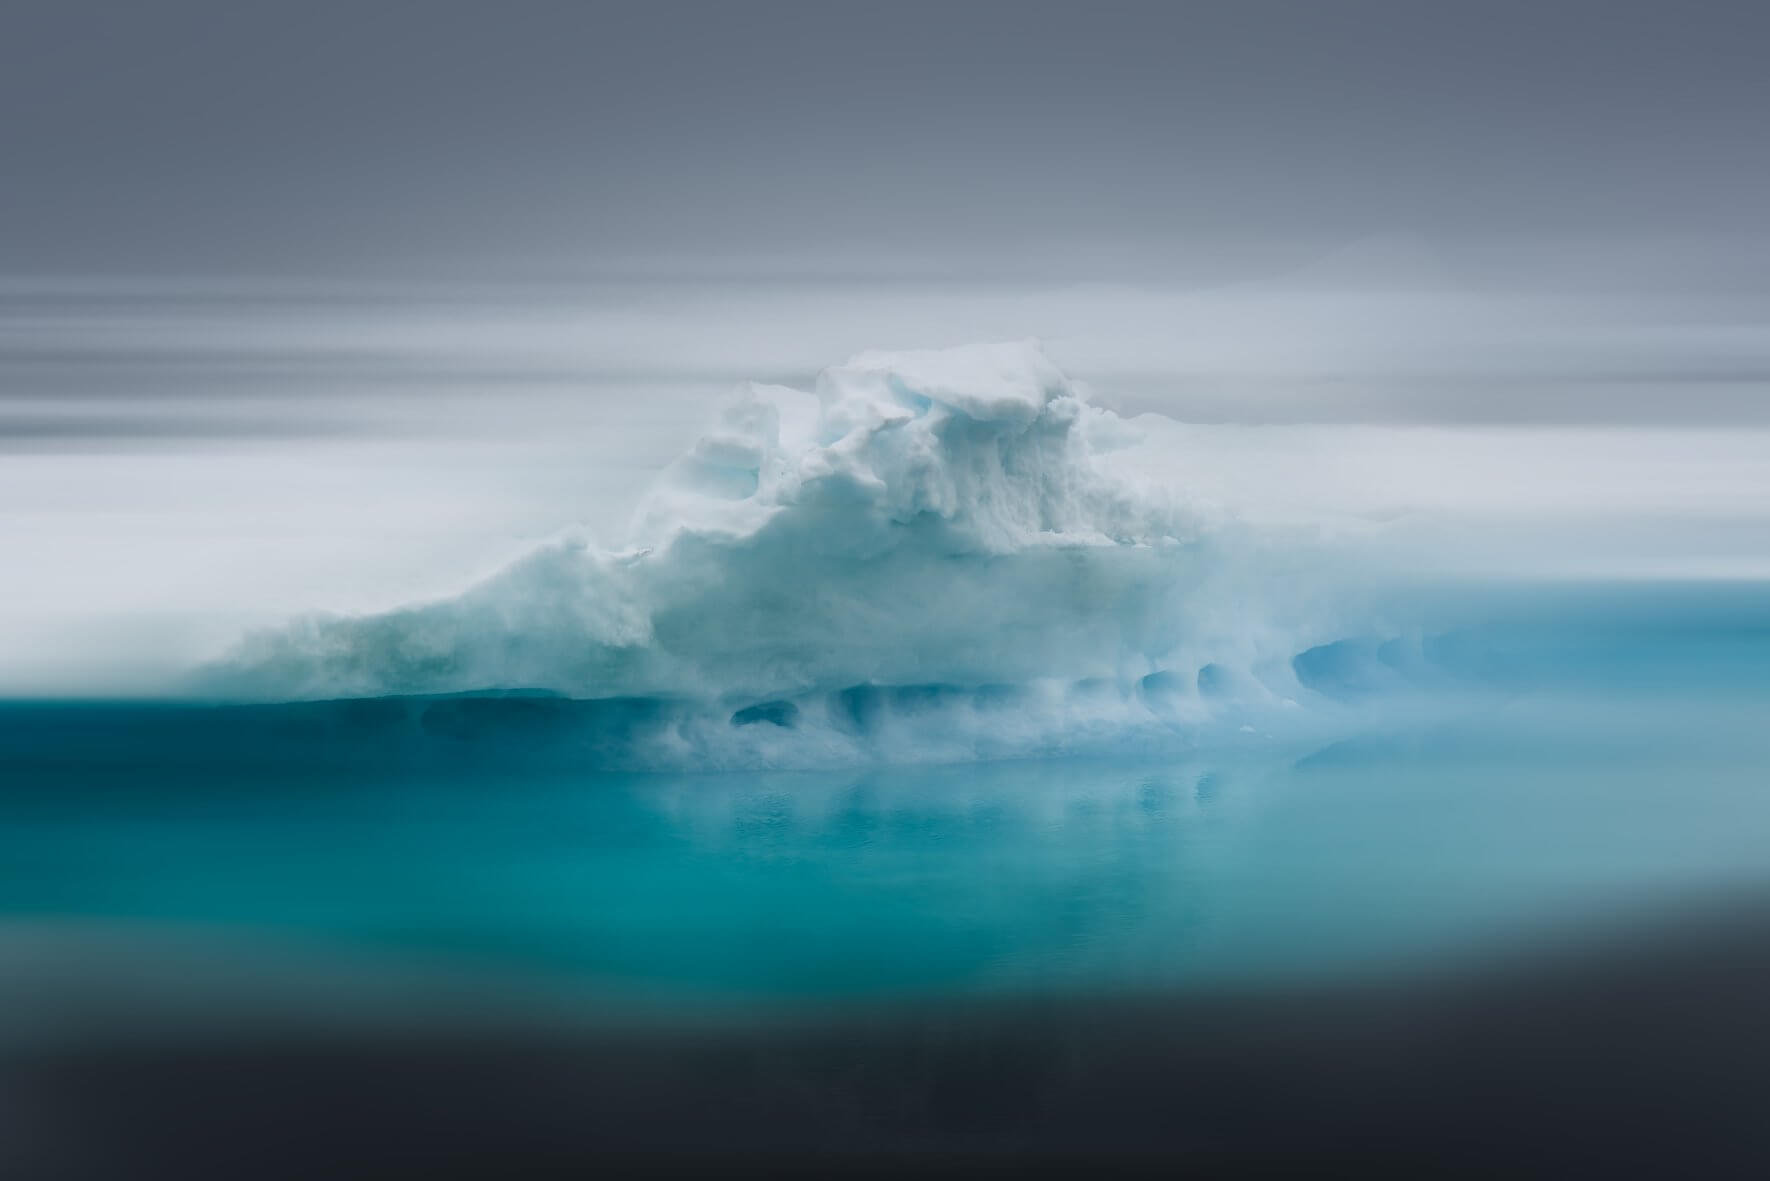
935 555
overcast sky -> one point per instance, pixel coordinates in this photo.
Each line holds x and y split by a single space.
547 138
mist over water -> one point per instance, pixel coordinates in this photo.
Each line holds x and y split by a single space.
1304 698
189 460
939 681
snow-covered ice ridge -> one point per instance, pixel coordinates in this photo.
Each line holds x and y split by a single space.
932 556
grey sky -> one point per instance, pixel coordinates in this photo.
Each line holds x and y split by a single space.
1169 139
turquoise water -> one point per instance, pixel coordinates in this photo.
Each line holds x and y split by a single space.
1610 757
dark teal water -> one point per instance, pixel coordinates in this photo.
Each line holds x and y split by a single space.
1611 757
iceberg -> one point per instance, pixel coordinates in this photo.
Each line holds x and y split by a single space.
932 555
